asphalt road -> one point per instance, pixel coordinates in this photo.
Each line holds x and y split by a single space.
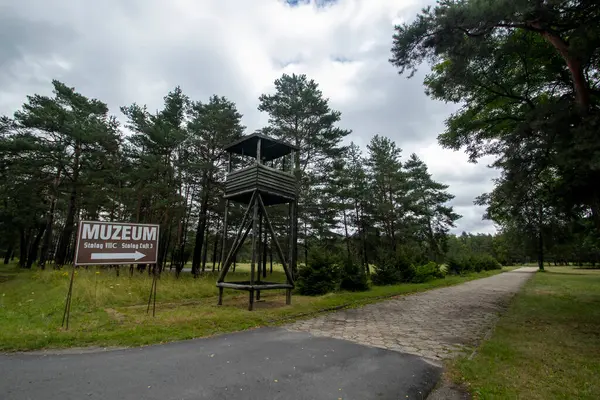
266 363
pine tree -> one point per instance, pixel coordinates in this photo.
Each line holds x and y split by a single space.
77 133
155 151
212 126
429 202
300 115
387 184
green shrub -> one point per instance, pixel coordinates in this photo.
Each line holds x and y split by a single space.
391 270
474 263
483 262
489 263
413 255
459 266
441 272
386 272
320 276
427 272
353 276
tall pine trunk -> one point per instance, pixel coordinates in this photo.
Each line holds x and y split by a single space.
540 239
540 250
574 64
346 232
392 226
216 244
264 254
24 238
205 247
365 253
9 251
49 223
67 233
197 257
305 244
181 247
362 236
33 250
215 250
433 246
298 175
595 207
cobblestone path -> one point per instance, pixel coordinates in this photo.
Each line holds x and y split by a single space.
435 324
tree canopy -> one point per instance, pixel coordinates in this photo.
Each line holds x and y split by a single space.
525 74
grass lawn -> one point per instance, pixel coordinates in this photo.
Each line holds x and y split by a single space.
547 346
111 311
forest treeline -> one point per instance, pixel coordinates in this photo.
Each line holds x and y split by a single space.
66 158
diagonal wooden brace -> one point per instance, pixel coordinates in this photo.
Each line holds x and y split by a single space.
277 247
238 240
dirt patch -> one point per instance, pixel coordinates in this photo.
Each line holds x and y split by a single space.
6 278
545 292
72 350
268 301
115 315
449 392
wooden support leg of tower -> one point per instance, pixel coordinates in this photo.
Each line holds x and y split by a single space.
251 300
237 244
294 238
290 235
259 252
259 245
238 240
224 240
276 243
255 241
228 263
233 253
220 303
288 296
264 255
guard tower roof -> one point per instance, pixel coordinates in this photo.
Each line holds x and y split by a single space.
270 148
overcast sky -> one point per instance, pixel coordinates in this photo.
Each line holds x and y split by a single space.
125 51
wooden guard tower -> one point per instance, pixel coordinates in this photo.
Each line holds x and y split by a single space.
259 186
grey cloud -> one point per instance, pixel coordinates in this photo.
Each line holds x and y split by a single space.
474 175
394 106
113 55
113 59
472 221
20 37
466 193
465 188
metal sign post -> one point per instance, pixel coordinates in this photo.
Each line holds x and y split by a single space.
113 243
67 312
152 294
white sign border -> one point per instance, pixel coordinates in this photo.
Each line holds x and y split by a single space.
75 263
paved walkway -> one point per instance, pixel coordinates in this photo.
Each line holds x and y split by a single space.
259 364
435 324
